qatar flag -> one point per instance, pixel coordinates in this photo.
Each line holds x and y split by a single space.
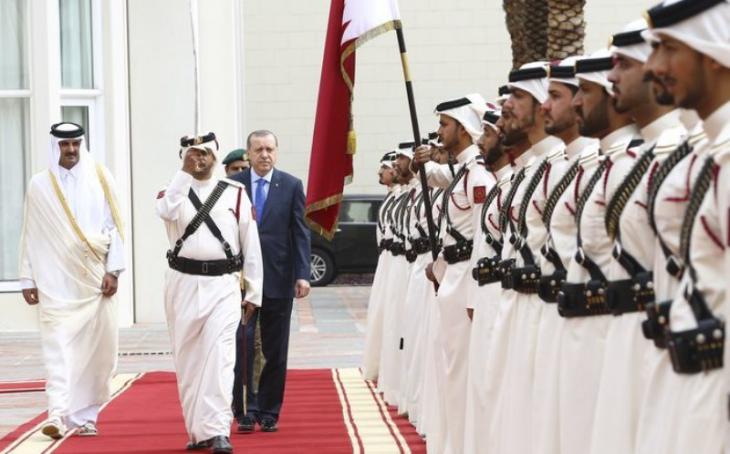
351 24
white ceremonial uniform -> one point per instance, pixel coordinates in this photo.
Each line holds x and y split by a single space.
545 415
654 434
699 419
484 300
464 209
623 373
65 255
514 413
203 312
378 293
432 420
389 379
419 293
499 348
583 340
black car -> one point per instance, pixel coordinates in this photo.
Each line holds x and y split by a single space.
354 248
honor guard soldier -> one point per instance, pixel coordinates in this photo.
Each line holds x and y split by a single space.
555 200
483 302
214 257
516 145
692 54
378 292
581 299
630 283
389 381
459 129
529 90
236 161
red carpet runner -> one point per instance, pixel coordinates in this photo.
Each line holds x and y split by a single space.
325 412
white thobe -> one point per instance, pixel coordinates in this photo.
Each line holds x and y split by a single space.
203 312
583 340
671 203
698 418
623 373
464 210
515 411
378 292
389 374
545 415
499 348
78 325
484 301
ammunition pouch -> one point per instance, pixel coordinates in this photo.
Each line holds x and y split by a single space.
505 269
421 246
697 350
655 326
397 249
458 252
487 271
526 279
549 286
582 300
411 255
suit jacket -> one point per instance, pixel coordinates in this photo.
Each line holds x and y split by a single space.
283 234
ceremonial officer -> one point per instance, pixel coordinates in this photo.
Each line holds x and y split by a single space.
516 145
459 129
561 121
418 293
483 301
214 255
389 374
694 59
629 272
236 161
72 253
378 292
528 87
581 299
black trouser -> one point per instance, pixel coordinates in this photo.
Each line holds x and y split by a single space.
275 318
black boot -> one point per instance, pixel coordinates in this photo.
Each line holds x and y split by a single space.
220 445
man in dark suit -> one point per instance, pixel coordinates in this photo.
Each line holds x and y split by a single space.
278 199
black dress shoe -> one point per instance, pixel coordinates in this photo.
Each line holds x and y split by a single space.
197 446
220 445
268 424
246 424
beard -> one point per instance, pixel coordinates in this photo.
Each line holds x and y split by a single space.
597 120
494 154
560 125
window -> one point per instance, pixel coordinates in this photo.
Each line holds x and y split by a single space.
80 88
14 107
357 211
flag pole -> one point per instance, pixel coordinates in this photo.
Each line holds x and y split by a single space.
417 141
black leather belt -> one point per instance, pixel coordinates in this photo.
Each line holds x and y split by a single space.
550 286
397 249
205 268
526 279
487 271
421 246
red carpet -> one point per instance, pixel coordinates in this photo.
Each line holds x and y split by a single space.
325 412
8 387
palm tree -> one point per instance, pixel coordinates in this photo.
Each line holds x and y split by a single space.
544 29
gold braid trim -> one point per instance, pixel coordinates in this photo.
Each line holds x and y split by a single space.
110 200
69 215
321 205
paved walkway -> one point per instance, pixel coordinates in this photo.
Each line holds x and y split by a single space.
327 331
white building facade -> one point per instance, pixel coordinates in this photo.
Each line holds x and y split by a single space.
124 69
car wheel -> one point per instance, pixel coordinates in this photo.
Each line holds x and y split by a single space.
322 268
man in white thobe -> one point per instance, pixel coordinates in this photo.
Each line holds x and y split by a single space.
72 254
210 267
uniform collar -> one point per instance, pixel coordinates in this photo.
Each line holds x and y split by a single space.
73 171
467 154
549 147
523 160
651 132
717 125
619 139
575 147
503 174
